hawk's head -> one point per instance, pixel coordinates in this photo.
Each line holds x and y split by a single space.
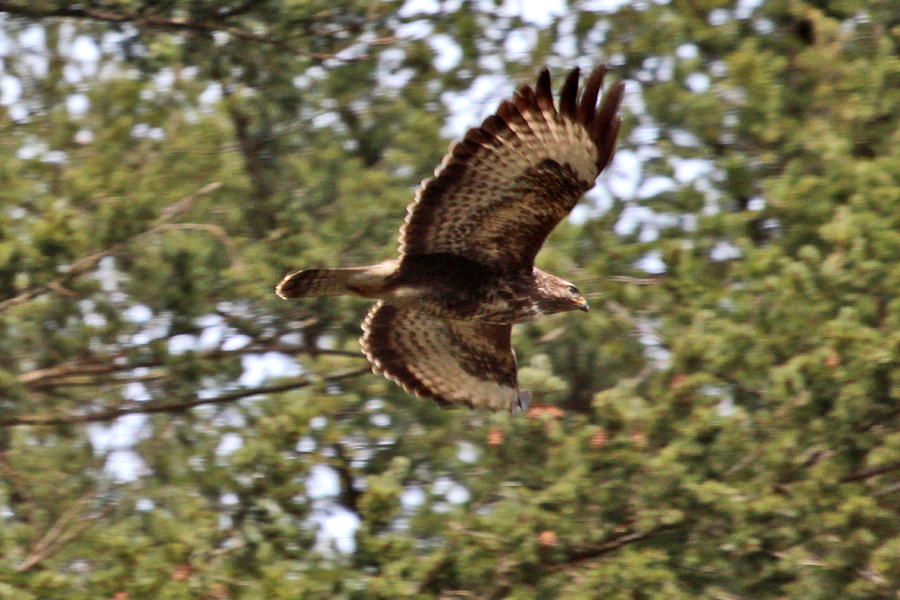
558 295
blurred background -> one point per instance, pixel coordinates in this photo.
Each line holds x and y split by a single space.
724 424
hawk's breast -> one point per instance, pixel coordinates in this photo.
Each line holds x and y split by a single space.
454 287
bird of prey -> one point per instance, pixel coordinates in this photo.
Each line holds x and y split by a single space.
465 274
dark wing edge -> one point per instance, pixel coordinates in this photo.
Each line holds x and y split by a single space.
449 361
528 130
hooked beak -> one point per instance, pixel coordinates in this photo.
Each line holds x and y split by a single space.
581 303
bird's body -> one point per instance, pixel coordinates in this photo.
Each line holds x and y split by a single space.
445 286
465 275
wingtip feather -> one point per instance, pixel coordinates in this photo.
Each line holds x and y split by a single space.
530 120
587 106
544 92
525 99
608 145
606 115
568 95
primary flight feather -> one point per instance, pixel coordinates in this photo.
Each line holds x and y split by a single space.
465 274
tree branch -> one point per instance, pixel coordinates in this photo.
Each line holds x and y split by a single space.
349 495
87 262
159 22
636 280
59 533
587 554
50 376
162 407
873 472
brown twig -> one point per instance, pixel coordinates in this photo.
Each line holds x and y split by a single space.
161 407
63 530
174 23
53 375
349 494
85 263
94 381
868 473
579 556
636 280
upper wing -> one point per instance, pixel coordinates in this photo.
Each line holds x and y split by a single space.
503 187
451 361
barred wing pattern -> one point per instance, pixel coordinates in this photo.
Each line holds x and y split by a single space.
501 189
450 361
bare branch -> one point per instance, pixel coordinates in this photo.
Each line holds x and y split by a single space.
225 13
579 556
60 533
171 23
349 494
162 407
56 375
636 280
868 473
85 263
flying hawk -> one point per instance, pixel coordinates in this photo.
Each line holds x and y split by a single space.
465 274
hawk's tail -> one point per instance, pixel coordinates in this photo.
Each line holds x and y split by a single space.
360 281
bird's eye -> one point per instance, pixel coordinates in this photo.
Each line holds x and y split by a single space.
573 289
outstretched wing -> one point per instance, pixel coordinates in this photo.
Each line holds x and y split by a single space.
503 187
466 362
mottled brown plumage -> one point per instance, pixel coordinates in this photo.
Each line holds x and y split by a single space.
466 273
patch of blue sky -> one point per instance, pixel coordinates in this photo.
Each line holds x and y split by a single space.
448 52
116 441
259 368
229 443
335 525
10 89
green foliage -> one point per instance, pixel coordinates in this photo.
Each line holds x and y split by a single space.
726 429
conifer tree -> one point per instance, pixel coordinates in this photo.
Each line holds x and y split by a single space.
720 426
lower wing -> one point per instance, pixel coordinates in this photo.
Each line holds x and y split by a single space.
450 361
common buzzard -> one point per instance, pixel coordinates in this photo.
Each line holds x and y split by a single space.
465 274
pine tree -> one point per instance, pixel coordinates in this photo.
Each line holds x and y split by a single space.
720 426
